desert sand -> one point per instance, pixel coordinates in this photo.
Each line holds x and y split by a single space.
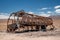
39 35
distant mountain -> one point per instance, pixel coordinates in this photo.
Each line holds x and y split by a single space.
55 16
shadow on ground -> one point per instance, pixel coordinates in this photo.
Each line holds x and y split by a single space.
26 31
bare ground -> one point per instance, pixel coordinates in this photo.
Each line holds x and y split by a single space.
39 35
49 35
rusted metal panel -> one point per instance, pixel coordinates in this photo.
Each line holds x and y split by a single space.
25 19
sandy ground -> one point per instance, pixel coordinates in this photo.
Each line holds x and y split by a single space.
49 35
39 35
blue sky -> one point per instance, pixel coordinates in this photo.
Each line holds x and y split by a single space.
43 7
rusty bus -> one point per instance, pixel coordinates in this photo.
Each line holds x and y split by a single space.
22 19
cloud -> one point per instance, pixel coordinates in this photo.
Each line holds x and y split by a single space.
3 17
6 17
44 8
43 14
49 12
57 10
31 12
56 7
4 13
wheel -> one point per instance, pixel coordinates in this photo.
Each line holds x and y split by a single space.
37 28
43 28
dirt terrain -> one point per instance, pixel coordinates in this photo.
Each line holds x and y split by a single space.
39 35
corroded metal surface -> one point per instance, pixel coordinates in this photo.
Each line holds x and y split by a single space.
26 19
